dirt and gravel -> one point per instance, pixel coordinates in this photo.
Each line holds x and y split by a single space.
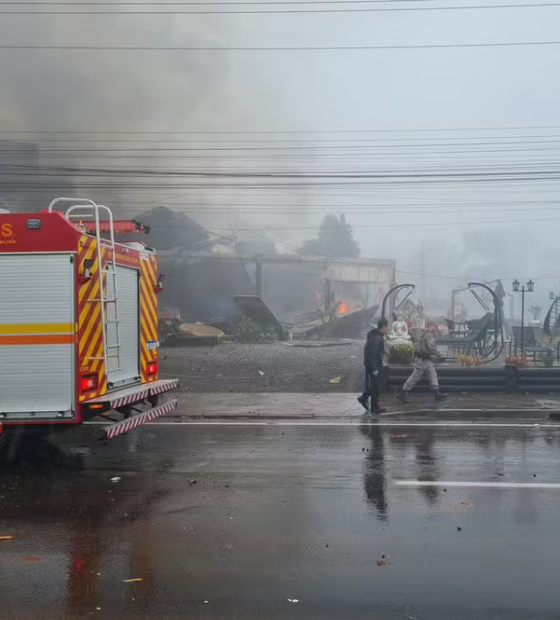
277 367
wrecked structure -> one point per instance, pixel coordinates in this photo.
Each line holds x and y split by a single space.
211 278
296 289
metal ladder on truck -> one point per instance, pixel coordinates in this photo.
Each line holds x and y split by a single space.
107 274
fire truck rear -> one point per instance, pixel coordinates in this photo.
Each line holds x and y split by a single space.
78 321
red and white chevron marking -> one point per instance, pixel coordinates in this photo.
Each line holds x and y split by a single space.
165 388
140 418
127 400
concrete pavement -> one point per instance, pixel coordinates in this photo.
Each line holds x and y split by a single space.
250 522
344 406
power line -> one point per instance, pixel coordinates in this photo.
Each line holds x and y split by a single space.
271 184
312 48
280 131
356 9
549 140
401 209
413 208
297 142
275 175
233 3
368 226
311 143
321 142
431 170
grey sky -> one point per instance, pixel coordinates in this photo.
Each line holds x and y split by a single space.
316 91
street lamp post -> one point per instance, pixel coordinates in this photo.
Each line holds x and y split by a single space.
529 288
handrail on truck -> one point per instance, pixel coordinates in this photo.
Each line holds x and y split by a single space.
90 204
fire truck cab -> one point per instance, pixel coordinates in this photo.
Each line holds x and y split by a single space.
78 320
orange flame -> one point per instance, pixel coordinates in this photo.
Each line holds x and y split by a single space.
342 307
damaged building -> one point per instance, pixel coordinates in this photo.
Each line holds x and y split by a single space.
205 271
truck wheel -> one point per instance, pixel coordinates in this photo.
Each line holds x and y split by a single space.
6 448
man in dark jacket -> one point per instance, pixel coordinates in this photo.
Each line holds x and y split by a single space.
373 362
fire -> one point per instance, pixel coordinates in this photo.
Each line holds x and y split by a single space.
346 307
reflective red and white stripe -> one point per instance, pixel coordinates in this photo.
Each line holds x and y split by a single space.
171 385
140 418
131 398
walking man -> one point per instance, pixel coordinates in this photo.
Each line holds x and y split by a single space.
373 363
426 351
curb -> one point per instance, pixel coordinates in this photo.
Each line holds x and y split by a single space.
553 414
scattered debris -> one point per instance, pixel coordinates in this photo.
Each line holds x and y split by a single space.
6 537
335 380
133 580
459 529
192 481
254 308
247 331
206 602
32 558
467 503
350 325
293 600
199 334
399 436
305 344
116 479
383 561
261 373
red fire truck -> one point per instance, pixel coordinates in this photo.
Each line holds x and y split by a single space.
78 321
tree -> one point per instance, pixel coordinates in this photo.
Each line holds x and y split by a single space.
335 238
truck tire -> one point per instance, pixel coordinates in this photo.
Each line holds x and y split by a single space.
11 442
6 448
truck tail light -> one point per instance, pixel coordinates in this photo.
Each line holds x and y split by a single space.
151 368
88 383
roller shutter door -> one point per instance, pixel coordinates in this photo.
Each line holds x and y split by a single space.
129 328
37 330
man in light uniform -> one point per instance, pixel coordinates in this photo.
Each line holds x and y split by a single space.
426 351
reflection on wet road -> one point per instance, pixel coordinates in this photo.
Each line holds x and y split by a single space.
239 522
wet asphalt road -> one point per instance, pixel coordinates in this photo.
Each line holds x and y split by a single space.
247 517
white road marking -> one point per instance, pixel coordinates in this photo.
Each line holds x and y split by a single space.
454 410
344 423
481 485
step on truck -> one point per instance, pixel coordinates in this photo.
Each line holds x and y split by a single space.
78 322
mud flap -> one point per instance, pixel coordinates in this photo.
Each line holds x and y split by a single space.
130 396
138 419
